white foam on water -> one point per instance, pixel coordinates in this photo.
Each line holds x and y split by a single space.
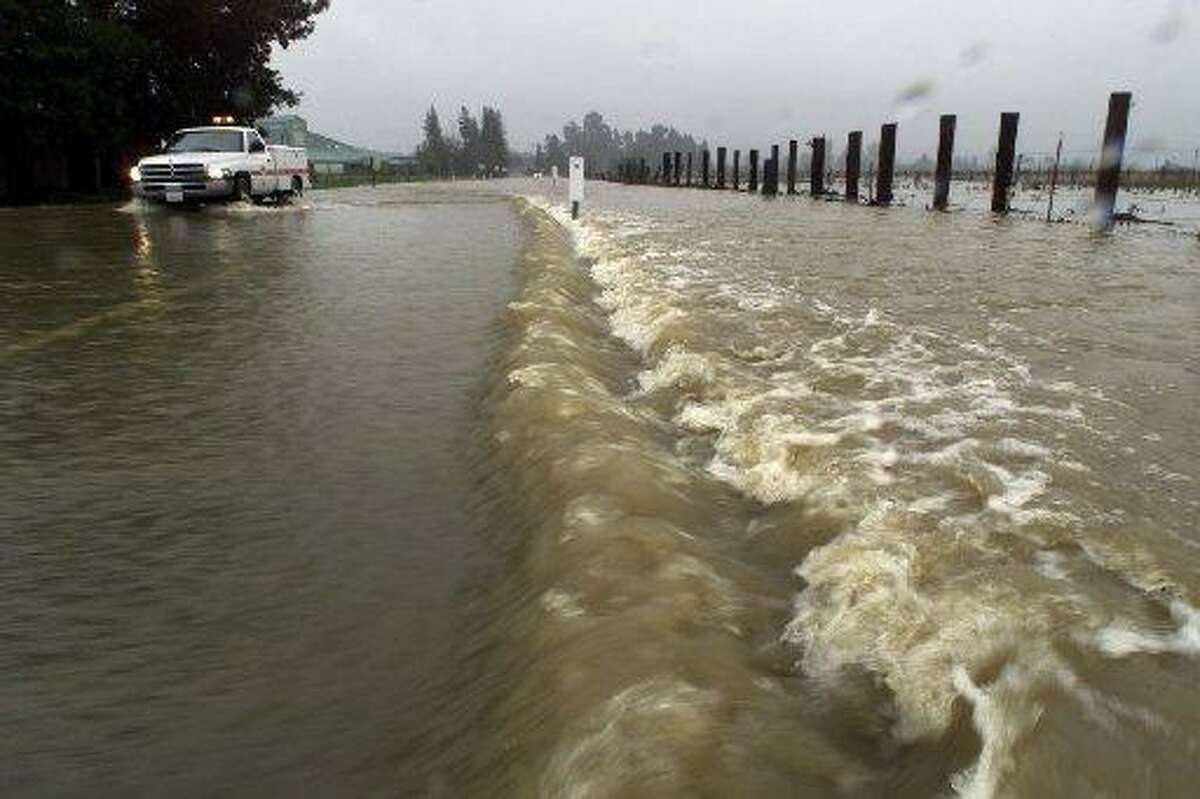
1124 638
565 380
903 367
871 601
562 604
1128 560
530 376
1026 449
879 462
677 367
709 417
638 739
1049 564
586 513
761 452
1002 713
772 481
935 449
1006 712
637 314
946 456
1165 475
929 505
757 453
756 303
1019 489
823 307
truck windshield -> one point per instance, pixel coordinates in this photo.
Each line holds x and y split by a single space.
206 141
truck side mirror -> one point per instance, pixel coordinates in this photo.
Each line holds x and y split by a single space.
256 146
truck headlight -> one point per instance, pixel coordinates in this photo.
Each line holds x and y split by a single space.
135 174
216 173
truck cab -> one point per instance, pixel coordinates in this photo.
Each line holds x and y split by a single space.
220 162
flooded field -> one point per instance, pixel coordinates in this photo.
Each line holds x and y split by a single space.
1175 210
433 491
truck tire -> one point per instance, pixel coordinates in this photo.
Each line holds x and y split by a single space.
241 188
297 186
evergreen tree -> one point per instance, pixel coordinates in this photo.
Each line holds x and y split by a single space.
470 155
433 153
555 154
493 142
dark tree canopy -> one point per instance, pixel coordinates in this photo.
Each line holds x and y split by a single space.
603 147
98 79
434 152
480 149
493 141
212 56
470 153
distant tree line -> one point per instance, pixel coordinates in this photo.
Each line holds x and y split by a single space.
603 147
480 149
85 85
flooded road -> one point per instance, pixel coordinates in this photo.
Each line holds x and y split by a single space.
235 505
432 491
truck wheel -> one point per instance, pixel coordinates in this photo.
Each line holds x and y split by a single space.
297 187
241 189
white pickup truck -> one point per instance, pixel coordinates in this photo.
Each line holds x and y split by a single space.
221 163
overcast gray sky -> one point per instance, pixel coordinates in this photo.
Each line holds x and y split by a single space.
752 72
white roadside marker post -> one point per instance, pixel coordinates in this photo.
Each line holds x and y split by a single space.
575 191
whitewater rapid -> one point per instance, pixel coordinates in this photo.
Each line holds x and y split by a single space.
812 506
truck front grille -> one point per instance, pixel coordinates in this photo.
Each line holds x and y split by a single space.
191 176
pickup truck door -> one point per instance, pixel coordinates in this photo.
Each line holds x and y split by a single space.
262 177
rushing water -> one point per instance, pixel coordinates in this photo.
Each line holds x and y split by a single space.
434 492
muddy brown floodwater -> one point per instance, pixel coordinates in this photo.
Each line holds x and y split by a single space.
433 491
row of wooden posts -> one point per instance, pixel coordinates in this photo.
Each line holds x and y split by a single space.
1107 179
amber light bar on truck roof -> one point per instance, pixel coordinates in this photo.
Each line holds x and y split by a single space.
220 120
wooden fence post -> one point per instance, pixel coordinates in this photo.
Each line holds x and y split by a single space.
816 174
853 164
689 168
945 162
666 169
887 164
752 181
678 166
1006 153
704 168
737 163
771 173
721 167
1108 178
791 167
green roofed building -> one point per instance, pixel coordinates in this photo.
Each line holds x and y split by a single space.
327 155
286 129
